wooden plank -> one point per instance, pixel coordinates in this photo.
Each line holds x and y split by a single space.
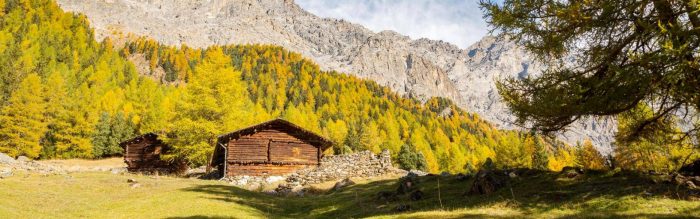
293 152
247 149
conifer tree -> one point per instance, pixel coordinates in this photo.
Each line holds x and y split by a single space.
540 158
214 101
101 139
109 132
56 97
75 126
588 157
619 54
663 151
409 159
22 122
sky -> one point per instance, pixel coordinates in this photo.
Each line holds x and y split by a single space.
456 21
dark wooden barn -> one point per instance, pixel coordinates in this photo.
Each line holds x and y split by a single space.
275 147
142 154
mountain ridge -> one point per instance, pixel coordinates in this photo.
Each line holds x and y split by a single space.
421 68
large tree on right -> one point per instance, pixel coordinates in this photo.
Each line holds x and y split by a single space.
604 58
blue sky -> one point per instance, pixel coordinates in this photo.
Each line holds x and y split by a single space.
456 21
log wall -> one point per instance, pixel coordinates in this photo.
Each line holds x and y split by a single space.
248 148
145 156
262 169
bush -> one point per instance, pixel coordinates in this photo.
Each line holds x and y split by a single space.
409 159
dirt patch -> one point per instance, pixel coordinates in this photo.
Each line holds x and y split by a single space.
9 166
81 165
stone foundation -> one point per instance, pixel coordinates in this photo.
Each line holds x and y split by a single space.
332 168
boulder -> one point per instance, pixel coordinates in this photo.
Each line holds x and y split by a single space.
571 172
118 170
691 169
417 173
679 179
23 159
462 177
210 175
523 172
386 196
416 195
4 159
512 175
696 180
405 187
343 183
287 189
407 184
567 169
403 207
487 182
273 179
5 172
131 181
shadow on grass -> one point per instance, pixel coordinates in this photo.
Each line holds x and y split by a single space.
591 195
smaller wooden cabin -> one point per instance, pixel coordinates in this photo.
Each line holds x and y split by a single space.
142 154
275 147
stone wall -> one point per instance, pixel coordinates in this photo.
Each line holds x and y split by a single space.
332 168
335 167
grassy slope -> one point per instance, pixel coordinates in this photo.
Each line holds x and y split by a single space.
104 195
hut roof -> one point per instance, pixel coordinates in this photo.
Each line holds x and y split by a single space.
138 139
294 130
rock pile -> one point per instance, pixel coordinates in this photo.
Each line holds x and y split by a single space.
343 183
6 160
253 181
361 164
572 172
691 182
8 166
407 184
5 172
488 180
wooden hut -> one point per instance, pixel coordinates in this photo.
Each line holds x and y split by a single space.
275 147
142 154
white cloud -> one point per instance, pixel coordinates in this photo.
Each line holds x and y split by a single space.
456 21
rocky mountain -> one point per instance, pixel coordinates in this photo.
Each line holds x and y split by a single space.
421 68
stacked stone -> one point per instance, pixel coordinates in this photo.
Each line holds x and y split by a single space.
361 164
335 167
8 165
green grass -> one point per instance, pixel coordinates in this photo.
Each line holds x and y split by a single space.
104 195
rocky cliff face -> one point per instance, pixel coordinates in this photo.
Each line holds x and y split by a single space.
422 68
489 60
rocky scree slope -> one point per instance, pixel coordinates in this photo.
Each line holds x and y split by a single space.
420 68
